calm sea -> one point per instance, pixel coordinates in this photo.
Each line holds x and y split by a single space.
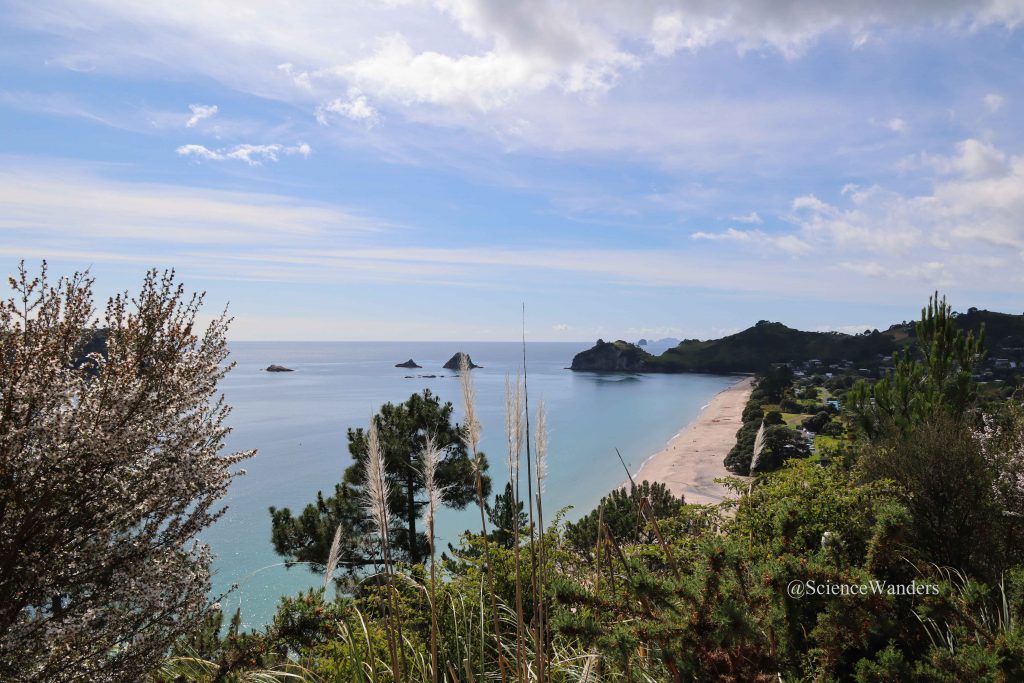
297 421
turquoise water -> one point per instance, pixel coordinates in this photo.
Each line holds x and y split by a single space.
297 421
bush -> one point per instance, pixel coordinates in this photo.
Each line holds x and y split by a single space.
752 411
781 444
958 521
621 513
832 428
112 466
816 423
790 405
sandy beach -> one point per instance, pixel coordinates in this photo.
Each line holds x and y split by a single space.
692 460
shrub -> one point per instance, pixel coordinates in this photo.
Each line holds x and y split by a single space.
112 466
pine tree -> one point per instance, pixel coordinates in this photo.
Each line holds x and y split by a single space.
403 430
935 376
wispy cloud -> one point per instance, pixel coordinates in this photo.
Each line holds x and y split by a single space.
897 125
788 243
200 112
993 101
751 217
118 215
254 155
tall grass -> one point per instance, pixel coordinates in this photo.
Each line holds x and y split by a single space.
471 435
759 444
514 433
535 585
431 459
352 642
378 493
541 470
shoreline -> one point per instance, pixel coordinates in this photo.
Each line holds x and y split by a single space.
692 459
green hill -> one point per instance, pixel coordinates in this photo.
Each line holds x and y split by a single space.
758 347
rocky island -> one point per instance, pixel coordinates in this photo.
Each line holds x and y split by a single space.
617 356
455 362
278 368
408 364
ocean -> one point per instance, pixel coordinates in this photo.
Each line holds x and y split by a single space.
297 421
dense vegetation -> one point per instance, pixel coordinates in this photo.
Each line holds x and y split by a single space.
900 557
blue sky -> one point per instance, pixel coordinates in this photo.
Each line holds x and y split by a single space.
407 169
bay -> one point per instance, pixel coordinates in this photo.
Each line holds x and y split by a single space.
298 420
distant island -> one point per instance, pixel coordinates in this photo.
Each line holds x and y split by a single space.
455 362
757 348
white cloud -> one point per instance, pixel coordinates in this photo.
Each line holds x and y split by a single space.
462 53
355 107
980 203
200 112
751 217
199 151
254 155
897 125
788 243
813 203
994 102
974 159
560 327
965 232
730 235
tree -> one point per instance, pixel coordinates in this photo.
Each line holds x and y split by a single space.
620 511
110 465
937 378
503 515
402 430
308 537
816 423
773 382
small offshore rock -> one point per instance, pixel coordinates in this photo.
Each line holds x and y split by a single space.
455 362
278 368
408 364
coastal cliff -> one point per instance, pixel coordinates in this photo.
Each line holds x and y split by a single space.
618 356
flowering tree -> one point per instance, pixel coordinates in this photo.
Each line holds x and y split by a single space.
110 465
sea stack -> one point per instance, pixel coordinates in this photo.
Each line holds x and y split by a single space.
408 364
455 362
278 368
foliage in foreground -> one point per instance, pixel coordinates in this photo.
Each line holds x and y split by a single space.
110 466
804 576
702 595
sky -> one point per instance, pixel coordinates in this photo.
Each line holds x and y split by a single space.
414 169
